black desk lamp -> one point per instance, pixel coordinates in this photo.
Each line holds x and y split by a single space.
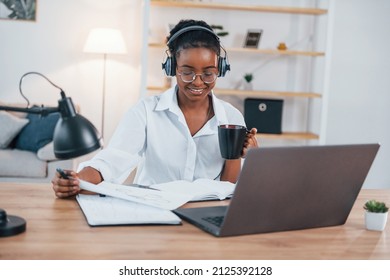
73 136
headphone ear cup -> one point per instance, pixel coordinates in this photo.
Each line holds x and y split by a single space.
221 66
166 66
169 66
173 66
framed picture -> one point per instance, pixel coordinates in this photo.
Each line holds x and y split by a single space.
252 38
18 9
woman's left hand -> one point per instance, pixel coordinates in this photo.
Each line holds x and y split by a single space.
250 142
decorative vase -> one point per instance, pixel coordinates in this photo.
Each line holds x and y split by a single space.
375 221
247 85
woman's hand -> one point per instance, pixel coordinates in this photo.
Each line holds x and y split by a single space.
64 188
250 142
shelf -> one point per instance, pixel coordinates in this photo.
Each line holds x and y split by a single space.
235 7
258 51
266 93
289 136
251 93
275 52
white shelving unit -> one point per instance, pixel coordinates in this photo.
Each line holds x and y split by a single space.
295 75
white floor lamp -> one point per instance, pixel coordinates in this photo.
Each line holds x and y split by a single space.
105 41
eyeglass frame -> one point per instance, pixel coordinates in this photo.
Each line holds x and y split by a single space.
194 76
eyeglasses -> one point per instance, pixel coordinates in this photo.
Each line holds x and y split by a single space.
190 76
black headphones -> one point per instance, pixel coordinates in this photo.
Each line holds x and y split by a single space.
169 66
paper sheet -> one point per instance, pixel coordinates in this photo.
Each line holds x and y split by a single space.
155 198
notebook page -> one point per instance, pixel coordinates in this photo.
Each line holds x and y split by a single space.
200 189
155 198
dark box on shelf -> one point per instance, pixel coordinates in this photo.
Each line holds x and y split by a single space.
264 114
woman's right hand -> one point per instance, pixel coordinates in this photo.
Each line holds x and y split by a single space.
64 188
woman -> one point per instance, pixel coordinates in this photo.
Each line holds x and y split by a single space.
173 136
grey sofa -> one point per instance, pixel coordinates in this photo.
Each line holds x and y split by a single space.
25 166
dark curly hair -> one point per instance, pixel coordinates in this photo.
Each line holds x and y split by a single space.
193 38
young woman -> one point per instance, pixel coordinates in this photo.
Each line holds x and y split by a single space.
172 136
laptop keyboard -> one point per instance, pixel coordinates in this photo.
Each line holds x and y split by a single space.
215 220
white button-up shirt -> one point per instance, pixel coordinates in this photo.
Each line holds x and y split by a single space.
154 137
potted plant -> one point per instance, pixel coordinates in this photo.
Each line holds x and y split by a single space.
218 29
248 77
375 215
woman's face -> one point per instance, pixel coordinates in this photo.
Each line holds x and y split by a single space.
199 61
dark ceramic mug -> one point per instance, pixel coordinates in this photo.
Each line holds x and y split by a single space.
231 140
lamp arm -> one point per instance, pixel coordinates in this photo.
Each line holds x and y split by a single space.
65 104
44 111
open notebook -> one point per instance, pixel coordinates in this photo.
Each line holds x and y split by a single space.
136 204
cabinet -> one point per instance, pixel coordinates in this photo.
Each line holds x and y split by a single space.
295 74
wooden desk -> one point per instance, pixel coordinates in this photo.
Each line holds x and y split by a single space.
57 229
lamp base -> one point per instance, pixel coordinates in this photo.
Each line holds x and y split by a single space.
11 225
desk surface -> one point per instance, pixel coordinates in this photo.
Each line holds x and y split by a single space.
57 229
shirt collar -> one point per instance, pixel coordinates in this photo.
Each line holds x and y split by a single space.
168 101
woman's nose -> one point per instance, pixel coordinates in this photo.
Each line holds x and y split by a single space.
198 80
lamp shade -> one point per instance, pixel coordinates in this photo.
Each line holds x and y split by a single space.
74 135
105 40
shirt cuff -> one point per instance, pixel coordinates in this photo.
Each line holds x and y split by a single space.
99 165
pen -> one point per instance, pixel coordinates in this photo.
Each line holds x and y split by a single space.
143 187
62 173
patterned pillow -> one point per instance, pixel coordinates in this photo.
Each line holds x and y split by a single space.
10 126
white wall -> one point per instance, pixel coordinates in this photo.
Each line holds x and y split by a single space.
53 46
358 89
359 84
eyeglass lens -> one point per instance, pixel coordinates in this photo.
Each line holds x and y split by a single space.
207 77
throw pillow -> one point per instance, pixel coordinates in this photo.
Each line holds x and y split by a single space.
46 153
37 133
10 126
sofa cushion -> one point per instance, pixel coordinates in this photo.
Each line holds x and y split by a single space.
17 163
37 133
10 126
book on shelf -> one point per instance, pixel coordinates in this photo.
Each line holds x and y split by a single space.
135 204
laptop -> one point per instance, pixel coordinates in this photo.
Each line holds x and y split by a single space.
289 188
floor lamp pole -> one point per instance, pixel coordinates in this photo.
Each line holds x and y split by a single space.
104 93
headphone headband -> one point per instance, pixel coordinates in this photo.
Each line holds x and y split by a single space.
169 66
190 28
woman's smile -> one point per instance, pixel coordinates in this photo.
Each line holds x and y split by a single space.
197 91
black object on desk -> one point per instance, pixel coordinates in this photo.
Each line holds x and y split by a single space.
11 225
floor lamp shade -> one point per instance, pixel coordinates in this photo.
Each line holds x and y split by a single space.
105 41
